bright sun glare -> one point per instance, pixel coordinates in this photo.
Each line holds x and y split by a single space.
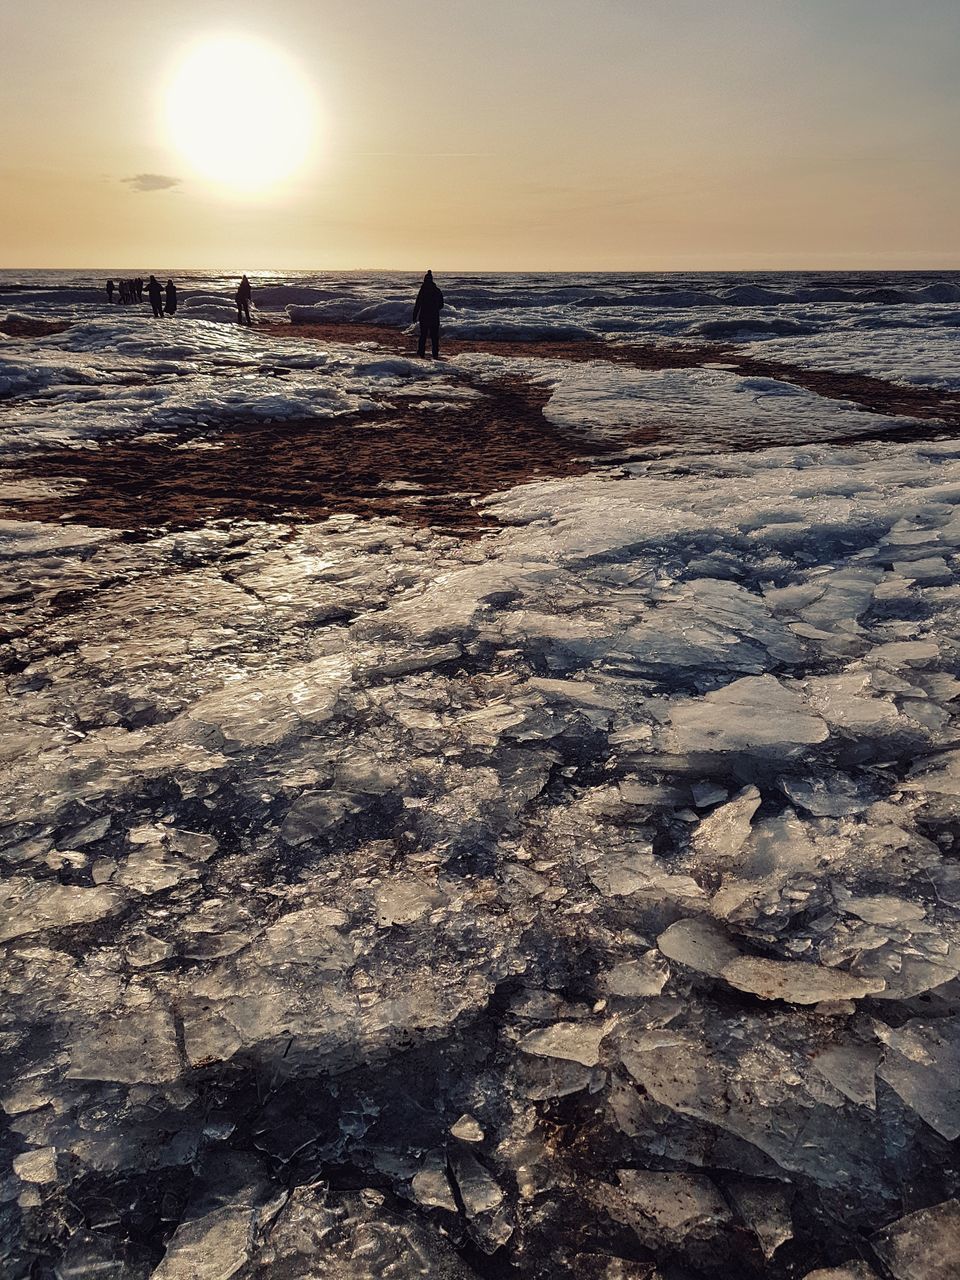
240 112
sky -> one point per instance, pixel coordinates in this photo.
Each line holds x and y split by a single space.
487 134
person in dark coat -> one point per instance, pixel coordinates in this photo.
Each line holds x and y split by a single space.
426 309
155 294
171 298
138 285
244 294
110 291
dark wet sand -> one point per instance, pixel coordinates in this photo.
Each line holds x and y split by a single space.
422 466
444 459
872 394
25 327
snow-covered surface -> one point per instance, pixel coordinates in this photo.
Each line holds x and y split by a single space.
683 406
375 901
124 373
899 325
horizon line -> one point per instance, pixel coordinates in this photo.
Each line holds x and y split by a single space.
540 270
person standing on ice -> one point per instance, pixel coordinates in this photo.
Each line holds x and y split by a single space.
171 292
155 293
427 309
244 294
110 291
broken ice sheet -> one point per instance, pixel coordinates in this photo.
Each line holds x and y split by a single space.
431 1185
216 1245
384 887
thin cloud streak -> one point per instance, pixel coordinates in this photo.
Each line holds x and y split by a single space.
151 182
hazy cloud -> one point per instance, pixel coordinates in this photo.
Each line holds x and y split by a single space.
151 182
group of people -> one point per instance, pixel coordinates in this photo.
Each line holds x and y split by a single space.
163 299
127 291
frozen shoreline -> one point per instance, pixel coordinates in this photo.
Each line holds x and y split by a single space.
579 897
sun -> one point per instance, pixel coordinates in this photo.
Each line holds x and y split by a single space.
240 112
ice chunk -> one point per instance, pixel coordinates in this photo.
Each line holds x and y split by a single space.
431 1186
706 794
318 813
753 715
905 653
620 874
702 945
796 981
699 944
922 1063
139 1047
213 1247
37 1166
148 950
924 1245
404 901
851 1069
306 937
711 623
572 1041
765 1208
833 796
644 977
725 830
943 778
676 1203
467 1129
29 907
151 870
479 1191
540 1078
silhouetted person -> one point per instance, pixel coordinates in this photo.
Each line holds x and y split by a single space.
244 294
110 291
427 310
171 298
155 294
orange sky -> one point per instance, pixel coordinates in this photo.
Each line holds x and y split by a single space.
529 134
